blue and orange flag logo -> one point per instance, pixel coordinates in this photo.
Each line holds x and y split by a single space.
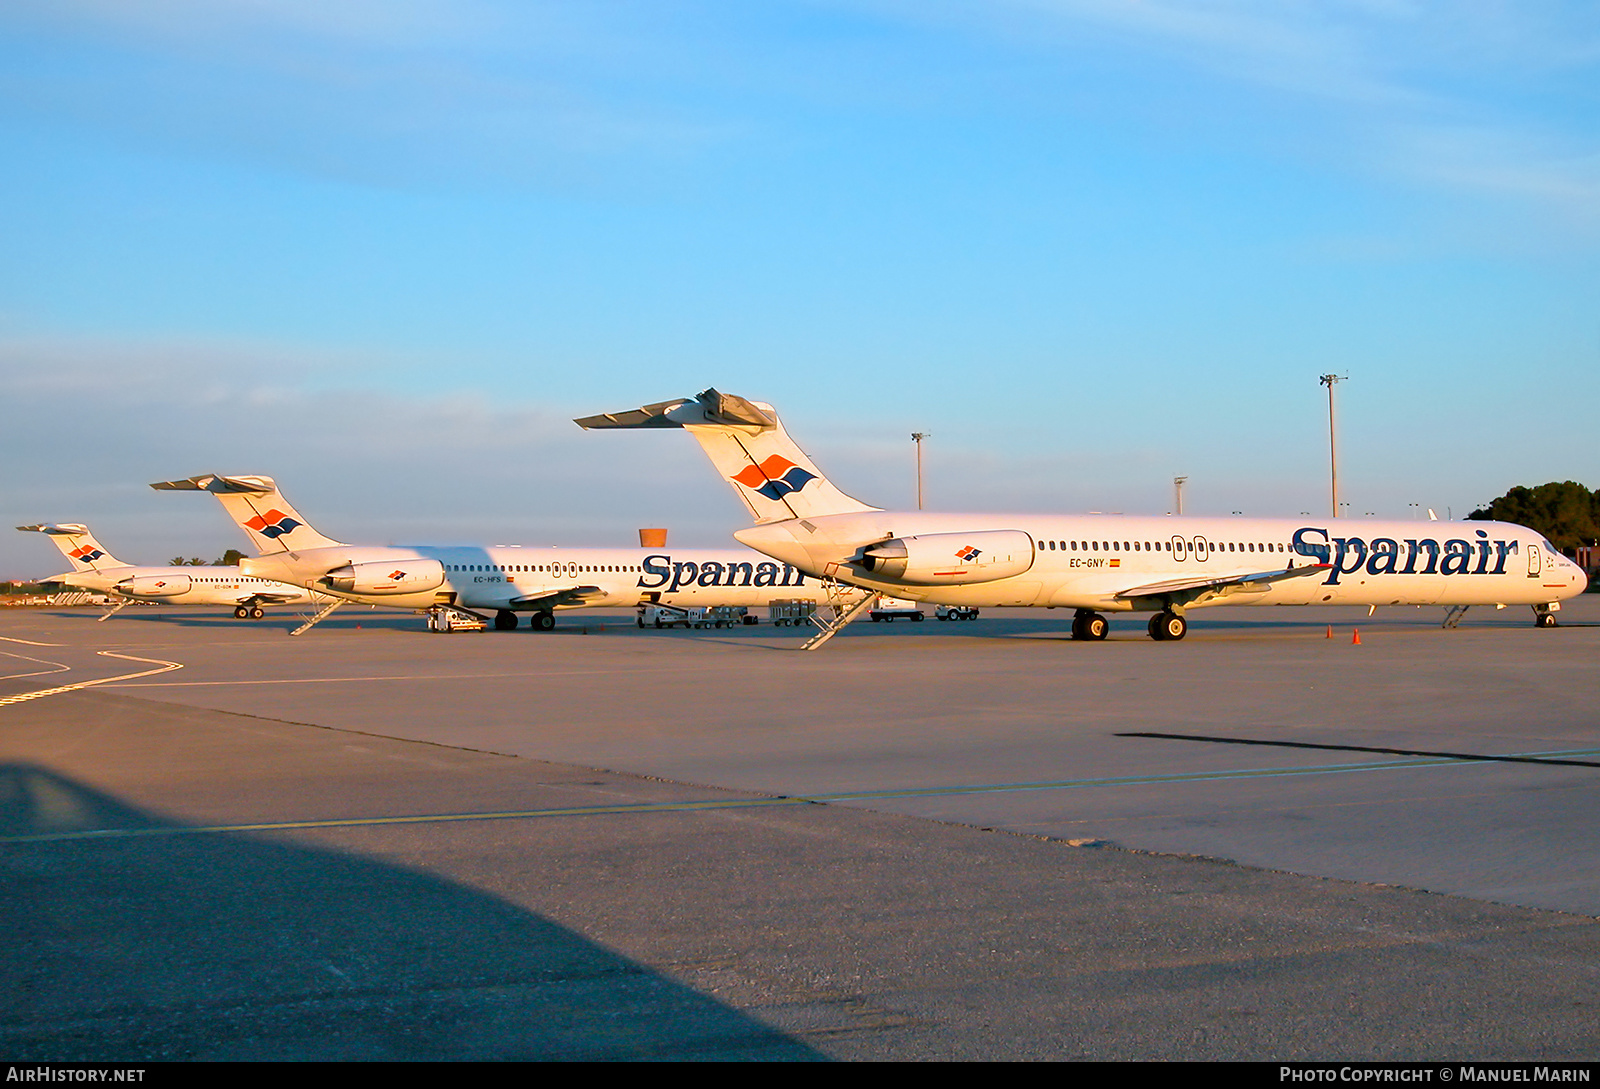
273 524
86 554
968 554
774 478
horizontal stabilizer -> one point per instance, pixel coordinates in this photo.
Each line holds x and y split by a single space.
709 408
63 529
256 506
772 476
220 485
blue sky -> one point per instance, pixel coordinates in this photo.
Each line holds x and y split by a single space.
384 251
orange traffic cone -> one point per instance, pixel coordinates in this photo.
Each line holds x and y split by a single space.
1330 631
1355 637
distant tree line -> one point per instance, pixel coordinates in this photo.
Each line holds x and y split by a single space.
1568 514
229 558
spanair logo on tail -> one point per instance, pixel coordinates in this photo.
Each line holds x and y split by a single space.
85 554
272 524
774 478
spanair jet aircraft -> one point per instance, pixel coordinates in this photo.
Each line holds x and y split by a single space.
93 568
1101 563
505 578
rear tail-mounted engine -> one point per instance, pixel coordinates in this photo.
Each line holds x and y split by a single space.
388 577
949 559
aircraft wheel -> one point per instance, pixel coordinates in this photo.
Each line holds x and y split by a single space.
1096 627
241 612
543 621
1171 626
1077 627
1545 620
257 613
505 620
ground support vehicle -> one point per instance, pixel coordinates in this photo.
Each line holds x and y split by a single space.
890 609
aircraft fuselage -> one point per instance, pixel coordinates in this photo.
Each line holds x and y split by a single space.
1092 561
520 579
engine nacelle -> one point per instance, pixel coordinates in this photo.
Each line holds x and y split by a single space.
155 586
950 559
386 577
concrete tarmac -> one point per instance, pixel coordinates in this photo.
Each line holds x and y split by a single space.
923 841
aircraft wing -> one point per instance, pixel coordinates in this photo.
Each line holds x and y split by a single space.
1206 586
566 595
267 598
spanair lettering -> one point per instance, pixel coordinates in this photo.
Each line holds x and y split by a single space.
1382 556
1096 564
505 579
661 571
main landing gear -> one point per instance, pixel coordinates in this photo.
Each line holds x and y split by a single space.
1168 625
1090 625
251 612
506 620
1165 625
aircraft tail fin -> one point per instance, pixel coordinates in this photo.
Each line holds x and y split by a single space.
750 448
255 503
77 544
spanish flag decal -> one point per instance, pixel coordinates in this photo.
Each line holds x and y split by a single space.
1116 563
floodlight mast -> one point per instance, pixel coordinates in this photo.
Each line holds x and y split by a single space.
1330 380
917 437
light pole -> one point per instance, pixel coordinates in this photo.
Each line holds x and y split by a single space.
917 437
1177 492
1330 380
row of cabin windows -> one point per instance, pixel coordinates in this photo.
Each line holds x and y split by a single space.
612 567
1159 546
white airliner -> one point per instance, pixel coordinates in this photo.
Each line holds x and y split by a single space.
93 568
505 578
1102 563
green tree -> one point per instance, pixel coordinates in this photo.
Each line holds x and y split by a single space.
1567 512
